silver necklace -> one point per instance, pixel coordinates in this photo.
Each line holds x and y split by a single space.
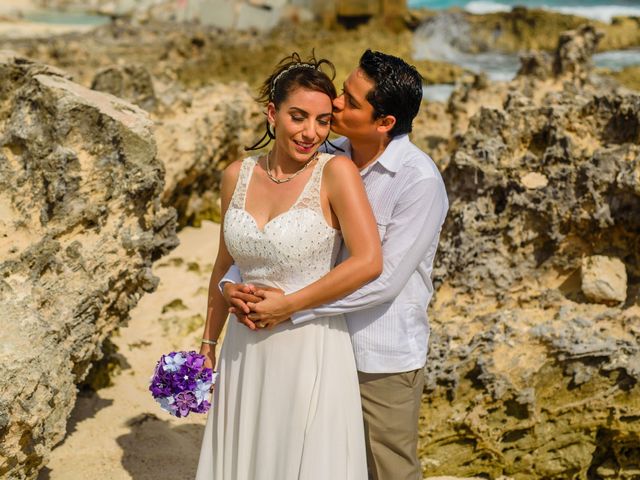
288 179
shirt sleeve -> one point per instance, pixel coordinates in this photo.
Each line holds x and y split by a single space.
232 276
414 227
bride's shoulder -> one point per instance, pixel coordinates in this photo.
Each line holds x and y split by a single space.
232 171
340 171
337 164
233 168
230 176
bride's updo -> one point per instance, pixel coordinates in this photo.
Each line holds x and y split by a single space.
292 73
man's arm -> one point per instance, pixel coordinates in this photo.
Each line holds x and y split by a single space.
232 276
413 228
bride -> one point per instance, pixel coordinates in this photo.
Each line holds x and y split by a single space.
286 404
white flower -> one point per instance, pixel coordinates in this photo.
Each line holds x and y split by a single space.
173 364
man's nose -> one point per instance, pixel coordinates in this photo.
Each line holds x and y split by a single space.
338 103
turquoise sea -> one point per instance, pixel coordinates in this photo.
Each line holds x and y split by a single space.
66 18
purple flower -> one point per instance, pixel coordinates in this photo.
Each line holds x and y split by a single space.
185 402
181 384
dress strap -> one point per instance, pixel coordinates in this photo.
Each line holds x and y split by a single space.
310 196
240 193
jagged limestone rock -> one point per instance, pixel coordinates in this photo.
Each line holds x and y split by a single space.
525 377
80 225
570 60
574 52
604 279
200 134
130 82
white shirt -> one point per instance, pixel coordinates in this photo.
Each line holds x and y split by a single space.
387 318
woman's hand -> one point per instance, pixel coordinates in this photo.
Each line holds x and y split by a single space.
274 308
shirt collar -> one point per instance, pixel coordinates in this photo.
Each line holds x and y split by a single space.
391 159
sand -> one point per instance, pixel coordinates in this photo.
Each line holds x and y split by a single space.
120 432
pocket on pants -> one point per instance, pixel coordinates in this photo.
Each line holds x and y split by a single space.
412 378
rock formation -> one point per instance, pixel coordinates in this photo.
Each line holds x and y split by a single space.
603 279
80 224
130 82
199 134
538 29
527 376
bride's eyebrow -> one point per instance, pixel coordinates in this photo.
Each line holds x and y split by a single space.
305 113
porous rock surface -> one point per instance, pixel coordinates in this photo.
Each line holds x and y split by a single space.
604 279
199 133
131 82
525 377
81 222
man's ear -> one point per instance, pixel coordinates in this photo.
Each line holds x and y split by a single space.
386 123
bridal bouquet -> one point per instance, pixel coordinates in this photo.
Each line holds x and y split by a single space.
181 383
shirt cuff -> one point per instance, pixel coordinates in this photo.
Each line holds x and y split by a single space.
223 281
301 317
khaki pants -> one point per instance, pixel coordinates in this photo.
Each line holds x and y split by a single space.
390 407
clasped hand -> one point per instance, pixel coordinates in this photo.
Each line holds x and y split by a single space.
257 307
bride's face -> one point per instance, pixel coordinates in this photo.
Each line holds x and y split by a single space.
301 123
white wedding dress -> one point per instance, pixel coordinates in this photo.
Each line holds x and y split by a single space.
286 405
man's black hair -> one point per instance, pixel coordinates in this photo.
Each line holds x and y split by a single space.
397 90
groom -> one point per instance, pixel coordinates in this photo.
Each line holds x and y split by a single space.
387 318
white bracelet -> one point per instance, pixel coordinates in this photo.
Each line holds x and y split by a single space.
209 342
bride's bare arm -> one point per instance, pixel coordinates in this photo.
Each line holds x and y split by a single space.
216 305
350 204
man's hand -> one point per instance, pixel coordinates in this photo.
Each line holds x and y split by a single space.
273 309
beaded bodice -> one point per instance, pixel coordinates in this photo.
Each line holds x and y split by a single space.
293 249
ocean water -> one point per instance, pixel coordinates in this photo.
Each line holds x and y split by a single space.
66 18
595 9
446 37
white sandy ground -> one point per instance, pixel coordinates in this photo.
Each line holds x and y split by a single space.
119 432
11 26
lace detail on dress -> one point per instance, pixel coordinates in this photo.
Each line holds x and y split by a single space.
240 192
293 249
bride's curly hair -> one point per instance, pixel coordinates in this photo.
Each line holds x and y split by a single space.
291 73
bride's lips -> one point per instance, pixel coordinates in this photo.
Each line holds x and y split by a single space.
304 147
